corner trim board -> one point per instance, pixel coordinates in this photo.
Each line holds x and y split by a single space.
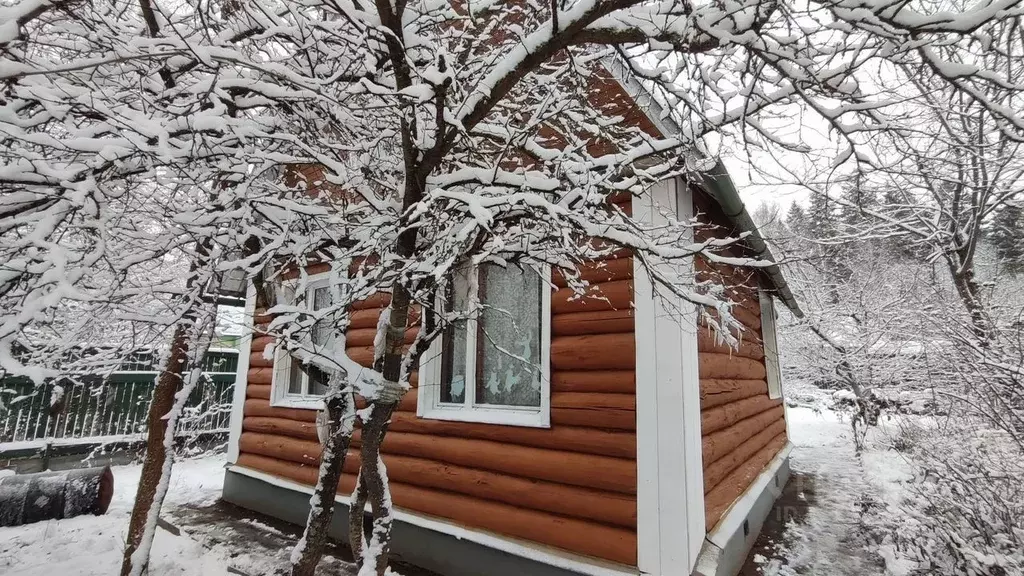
670 498
543 554
241 375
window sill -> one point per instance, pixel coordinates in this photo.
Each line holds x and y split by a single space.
301 402
538 419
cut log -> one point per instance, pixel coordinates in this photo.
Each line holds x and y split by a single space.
718 392
617 295
726 415
28 498
589 538
721 468
725 367
594 352
720 499
603 322
598 271
614 381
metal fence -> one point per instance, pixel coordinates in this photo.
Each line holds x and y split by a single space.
112 408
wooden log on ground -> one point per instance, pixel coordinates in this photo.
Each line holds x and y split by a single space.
719 444
568 438
724 367
280 427
589 538
720 499
594 352
746 348
28 498
598 271
715 392
602 322
722 467
613 381
726 415
617 295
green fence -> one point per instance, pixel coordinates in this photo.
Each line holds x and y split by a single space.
94 408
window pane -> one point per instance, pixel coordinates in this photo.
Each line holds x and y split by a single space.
295 378
322 329
317 381
508 338
453 365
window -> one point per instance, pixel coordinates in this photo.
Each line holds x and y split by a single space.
492 366
771 348
291 386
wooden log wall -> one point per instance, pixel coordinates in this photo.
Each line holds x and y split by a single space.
572 486
742 428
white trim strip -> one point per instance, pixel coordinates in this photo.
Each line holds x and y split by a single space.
733 519
521 548
241 375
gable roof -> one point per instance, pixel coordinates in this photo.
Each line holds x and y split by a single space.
715 181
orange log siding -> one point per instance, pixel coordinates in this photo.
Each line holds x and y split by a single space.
742 428
572 486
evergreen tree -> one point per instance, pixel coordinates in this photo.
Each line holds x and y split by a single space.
796 218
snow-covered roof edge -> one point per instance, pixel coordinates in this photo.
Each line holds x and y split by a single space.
715 181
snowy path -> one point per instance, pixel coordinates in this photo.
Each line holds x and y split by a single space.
833 500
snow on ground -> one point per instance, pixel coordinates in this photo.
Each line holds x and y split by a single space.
842 499
92 545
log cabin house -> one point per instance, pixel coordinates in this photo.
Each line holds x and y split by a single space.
640 447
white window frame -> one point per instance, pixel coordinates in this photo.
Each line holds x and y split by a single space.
769 339
279 383
429 403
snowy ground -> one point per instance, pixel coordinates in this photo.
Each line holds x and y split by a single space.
835 511
91 545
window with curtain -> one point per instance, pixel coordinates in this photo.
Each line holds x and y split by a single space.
492 366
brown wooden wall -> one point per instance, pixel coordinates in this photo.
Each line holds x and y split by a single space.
572 486
742 428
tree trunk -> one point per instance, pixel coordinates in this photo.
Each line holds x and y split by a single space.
970 295
341 415
374 483
152 467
